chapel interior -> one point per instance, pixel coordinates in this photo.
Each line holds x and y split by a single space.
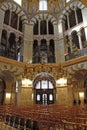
43 65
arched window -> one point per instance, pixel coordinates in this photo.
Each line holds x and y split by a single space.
44 89
42 5
7 17
4 38
14 20
72 19
36 28
79 15
12 48
43 46
4 43
43 28
44 92
12 41
35 47
75 39
50 27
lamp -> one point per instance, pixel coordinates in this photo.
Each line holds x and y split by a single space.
62 82
81 94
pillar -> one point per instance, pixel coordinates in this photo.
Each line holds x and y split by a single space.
59 42
28 43
80 41
1 22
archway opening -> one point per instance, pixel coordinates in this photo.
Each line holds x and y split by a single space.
44 89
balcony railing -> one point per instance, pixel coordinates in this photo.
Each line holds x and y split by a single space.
76 54
11 54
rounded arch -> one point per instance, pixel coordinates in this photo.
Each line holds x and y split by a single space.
44 76
4 37
50 27
76 4
44 88
7 17
35 29
43 16
43 25
15 8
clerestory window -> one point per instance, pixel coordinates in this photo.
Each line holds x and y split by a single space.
42 5
18 2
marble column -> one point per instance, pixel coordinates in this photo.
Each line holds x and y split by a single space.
80 41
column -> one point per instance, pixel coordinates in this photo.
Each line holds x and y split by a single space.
76 16
28 43
10 18
80 41
68 20
59 42
84 16
70 43
39 43
48 52
18 23
39 27
2 13
47 28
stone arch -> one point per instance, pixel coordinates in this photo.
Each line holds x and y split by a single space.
44 76
15 8
46 16
44 88
70 7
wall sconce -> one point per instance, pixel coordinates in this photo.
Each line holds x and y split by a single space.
8 98
81 95
62 82
8 95
26 82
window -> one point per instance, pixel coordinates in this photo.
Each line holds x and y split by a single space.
38 97
42 5
50 85
68 1
50 97
44 92
44 84
18 2
38 85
